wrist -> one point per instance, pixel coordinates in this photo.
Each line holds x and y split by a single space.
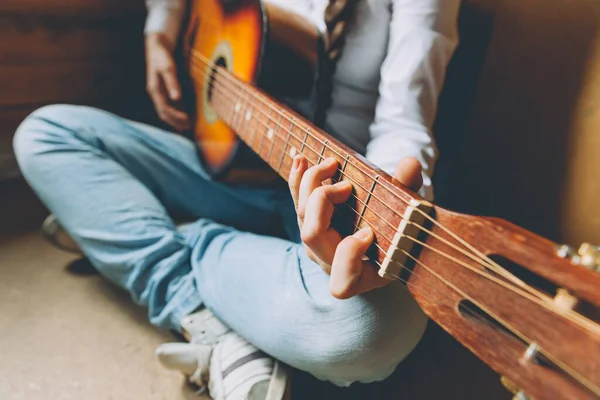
158 39
163 24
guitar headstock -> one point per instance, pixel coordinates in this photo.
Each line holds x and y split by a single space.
523 304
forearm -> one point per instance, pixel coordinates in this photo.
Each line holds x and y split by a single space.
165 17
423 37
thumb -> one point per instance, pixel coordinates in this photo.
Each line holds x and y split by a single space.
408 173
169 76
347 267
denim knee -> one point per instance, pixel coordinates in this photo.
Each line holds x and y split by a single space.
40 129
365 338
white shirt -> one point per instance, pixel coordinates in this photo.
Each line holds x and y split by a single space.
388 80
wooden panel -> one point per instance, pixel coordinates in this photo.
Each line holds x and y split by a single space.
70 51
26 37
94 7
531 150
136 109
67 81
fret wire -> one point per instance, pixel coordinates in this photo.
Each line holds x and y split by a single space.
237 107
369 194
345 163
322 151
216 92
304 140
285 144
245 102
220 100
276 131
253 118
262 138
235 101
242 113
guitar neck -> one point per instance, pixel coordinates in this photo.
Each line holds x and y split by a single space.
277 134
274 132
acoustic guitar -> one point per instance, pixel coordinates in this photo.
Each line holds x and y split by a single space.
521 303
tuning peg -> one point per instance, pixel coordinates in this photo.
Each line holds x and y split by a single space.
514 389
587 255
521 396
565 251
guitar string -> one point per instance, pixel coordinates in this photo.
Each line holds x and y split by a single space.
501 272
499 320
557 361
493 265
550 304
543 297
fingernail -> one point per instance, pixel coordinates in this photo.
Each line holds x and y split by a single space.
297 162
343 184
363 234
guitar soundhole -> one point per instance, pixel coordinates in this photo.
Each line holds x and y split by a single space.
524 274
219 63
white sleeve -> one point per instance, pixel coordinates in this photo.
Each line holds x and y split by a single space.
165 16
423 38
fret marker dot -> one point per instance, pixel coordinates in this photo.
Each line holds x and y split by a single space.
248 115
270 134
292 152
237 107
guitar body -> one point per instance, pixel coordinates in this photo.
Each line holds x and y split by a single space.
265 46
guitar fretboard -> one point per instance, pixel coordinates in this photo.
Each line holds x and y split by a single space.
277 135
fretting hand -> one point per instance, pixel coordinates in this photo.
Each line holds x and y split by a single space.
162 83
341 258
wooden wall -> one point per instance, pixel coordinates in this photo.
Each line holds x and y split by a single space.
69 51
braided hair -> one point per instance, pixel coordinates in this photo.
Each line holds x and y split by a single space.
338 15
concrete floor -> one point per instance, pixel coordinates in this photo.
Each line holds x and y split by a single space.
72 336
65 333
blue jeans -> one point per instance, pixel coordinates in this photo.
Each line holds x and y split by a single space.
114 184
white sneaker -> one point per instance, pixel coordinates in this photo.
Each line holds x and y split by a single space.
203 327
193 358
240 371
53 231
219 360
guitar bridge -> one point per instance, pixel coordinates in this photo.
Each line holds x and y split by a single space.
402 244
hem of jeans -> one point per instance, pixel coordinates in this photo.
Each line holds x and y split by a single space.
189 304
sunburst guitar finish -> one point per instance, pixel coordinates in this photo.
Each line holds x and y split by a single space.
266 46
